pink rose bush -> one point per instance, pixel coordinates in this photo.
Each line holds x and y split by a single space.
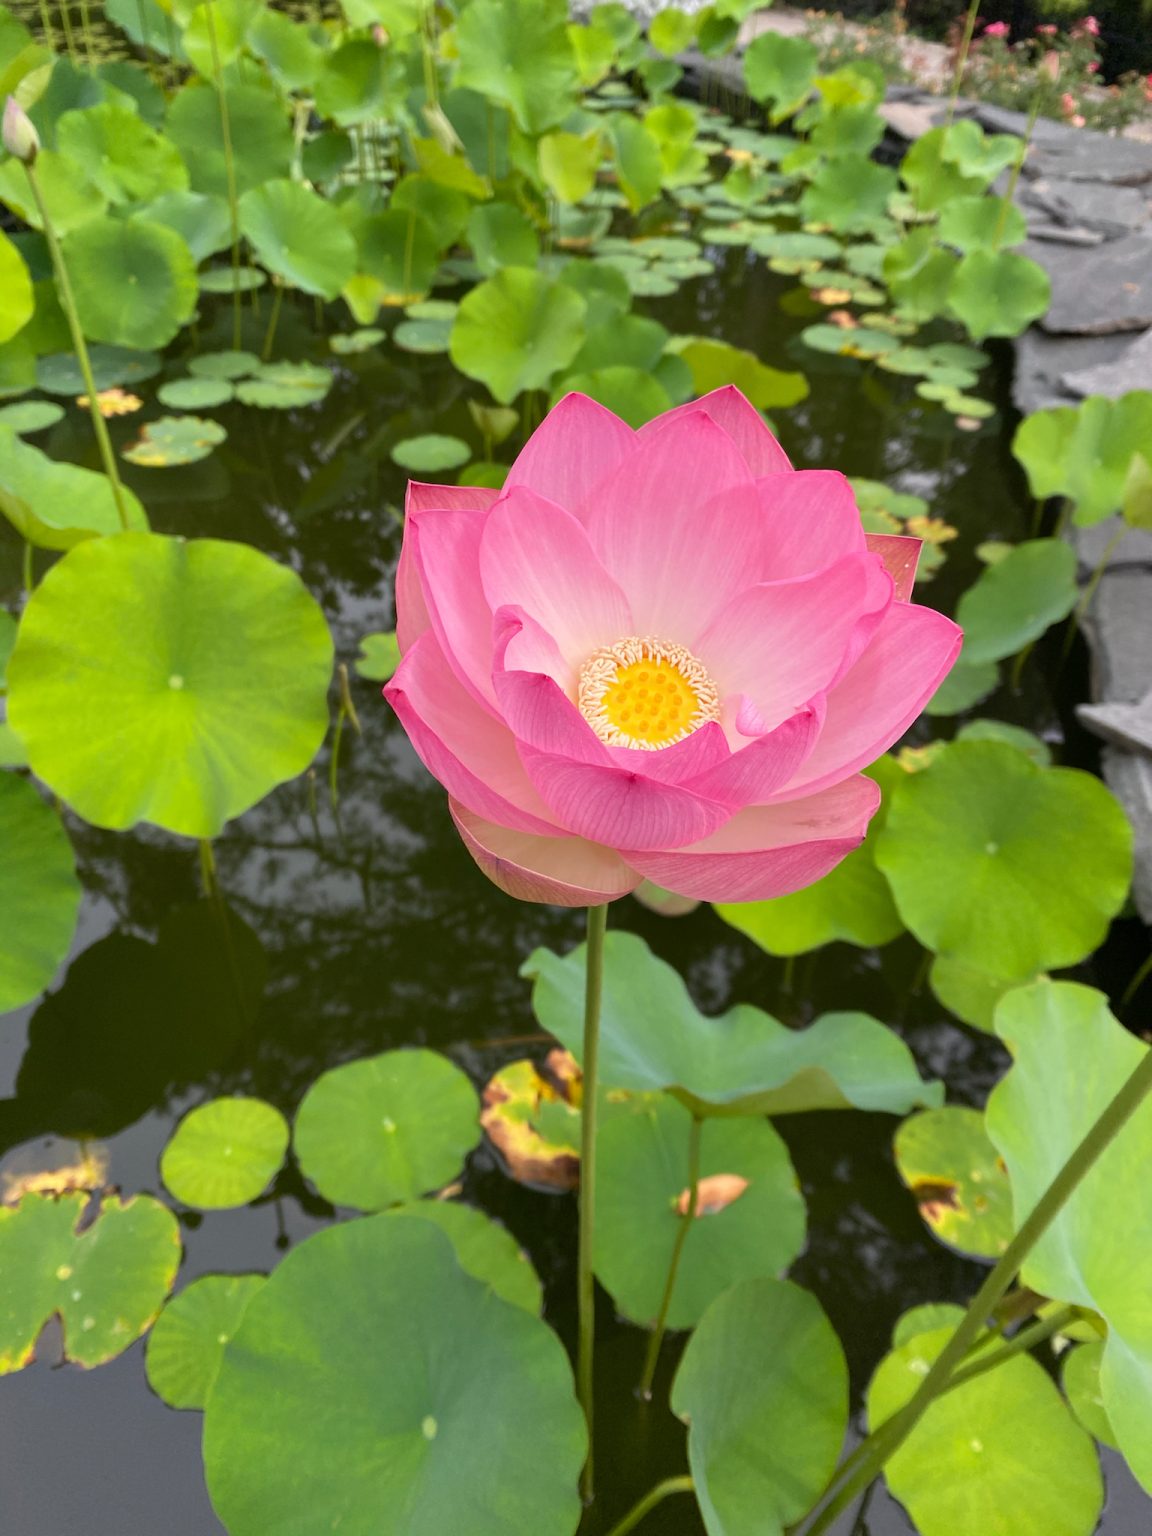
662 654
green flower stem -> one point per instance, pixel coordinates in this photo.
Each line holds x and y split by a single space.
585 1280
273 321
962 60
689 1216
46 25
29 569
229 165
891 1436
649 1502
209 880
1137 982
79 346
1017 167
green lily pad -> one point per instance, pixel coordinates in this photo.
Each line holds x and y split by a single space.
379 657
128 161
968 683
174 440
782 71
1007 832
427 336
516 330
224 365
386 1129
202 221
484 1249
293 233
231 279
356 341
631 393
59 373
225 1153
208 687
926 1318
28 416
1080 1378
765 1369
961 1188
134 282
1014 601
968 1469
715 363
39 892
1070 1057
743 1062
106 1283
260 131
998 293
430 454
531 1115
194 394
517 53
1086 452
440 1397
284 386
187 1342
642 1175
56 505
1000 730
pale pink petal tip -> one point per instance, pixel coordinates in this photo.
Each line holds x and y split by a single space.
562 871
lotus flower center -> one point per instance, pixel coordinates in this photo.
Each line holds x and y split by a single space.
644 692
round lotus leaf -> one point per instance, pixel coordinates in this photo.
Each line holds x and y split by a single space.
224 365
651 283
430 454
516 330
28 416
1000 730
386 1129
1008 832
532 1118
356 341
106 1283
429 336
174 440
128 161
293 233
763 1369
966 684
260 132
39 892
642 1174
225 1153
194 394
379 656
59 373
958 1179
999 1456
54 504
1080 1378
998 293
208 687
484 1249
374 1384
184 1350
1015 600
926 1318
231 279
17 296
285 386
134 282
201 219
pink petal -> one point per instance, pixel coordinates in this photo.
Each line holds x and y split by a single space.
617 807
810 519
446 548
682 761
678 525
576 445
519 644
537 557
565 871
906 661
412 616
781 643
743 423
900 555
461 745
755 772
762 853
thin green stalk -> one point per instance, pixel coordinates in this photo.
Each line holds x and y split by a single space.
1094 580
273 321
585 1280
1017 167
229 166
1137 982
649 1502
69 35
209 880
334 761
1027 1338
86 33
962 60
79 346
689 1216
46 25
1083 1157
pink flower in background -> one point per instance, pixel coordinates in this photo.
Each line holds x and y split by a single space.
996 29
660 654
1049 30
1089 27
1050 66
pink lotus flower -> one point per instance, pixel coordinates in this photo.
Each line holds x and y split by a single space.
996 29
660 654
1090 27
1048 30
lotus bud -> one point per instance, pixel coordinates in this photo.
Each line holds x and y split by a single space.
1050 65
381 36
20 137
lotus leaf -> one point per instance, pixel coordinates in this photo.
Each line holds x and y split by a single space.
174 440
358 81
284 386
125 159
55 505
291 50
1014 601
1086 452
193 395
448 1397
849 193
209 686
638 163
224 1153
187 1342
780 70
69 196
430 454
261 136
1080 1379
516 330
998 293
17 301
224 365
28 416
635 396
953 1170
134 281
39 891
201 219
502 236
294 235
518 52
981 224
484 1249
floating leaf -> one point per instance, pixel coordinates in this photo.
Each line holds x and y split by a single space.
1014 601
440 1397
386 1129
208 688
1080 1379
966 684
134 282
284 386
39 892
967 1470
516 330
430 454
224 365
55 505
231 279
59 373
186 1345
356 341
642 1171
225 1153
1070 1057
106 1283
744 1062
379 657
765 1369
532 1117
484 1249
194 395
27 416
715 363
961 1188
174 440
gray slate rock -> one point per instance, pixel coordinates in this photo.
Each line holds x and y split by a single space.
1076 154
1129 777
1110 211
1119 630
1097 292
1126 725
1065 234
1092 544
1042 362
1132 369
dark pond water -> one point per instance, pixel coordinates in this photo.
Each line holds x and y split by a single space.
376 931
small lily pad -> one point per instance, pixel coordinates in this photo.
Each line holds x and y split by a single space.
431 453
59 373
194 394
227 280
425 336
174 440
379 657
28 416
225 1153
224 365
284 386
532 1118
947 1160
187 1343
356 341
387 1129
